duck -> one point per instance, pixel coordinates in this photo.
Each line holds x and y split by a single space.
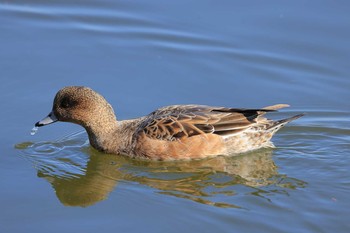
176 132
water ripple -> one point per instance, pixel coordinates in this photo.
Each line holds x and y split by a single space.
62 158
114 26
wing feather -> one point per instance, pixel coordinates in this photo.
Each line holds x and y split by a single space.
178 121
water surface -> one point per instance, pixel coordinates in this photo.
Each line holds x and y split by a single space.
144 55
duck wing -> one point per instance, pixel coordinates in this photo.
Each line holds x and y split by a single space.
180 121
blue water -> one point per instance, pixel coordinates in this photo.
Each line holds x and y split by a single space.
143 55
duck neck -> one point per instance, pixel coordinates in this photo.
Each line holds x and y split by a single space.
101 131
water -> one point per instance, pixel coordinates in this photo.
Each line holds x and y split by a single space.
144 55
34 130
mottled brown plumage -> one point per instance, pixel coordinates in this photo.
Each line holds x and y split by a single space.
172 132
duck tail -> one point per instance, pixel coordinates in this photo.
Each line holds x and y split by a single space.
276 125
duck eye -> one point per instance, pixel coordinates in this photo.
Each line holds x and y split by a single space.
67 103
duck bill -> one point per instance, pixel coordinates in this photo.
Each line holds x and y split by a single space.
51 118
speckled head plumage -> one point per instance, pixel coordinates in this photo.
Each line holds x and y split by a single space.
80 105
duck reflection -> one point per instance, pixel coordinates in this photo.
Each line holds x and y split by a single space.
84 176
195 180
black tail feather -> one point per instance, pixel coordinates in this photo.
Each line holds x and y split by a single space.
278 124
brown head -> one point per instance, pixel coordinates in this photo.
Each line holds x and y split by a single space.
80 105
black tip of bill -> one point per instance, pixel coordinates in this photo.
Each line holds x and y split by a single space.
38 124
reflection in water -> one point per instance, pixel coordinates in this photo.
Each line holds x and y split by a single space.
82 176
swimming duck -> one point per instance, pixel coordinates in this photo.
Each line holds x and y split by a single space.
168 133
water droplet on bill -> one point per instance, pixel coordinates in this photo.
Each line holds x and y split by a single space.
34 130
